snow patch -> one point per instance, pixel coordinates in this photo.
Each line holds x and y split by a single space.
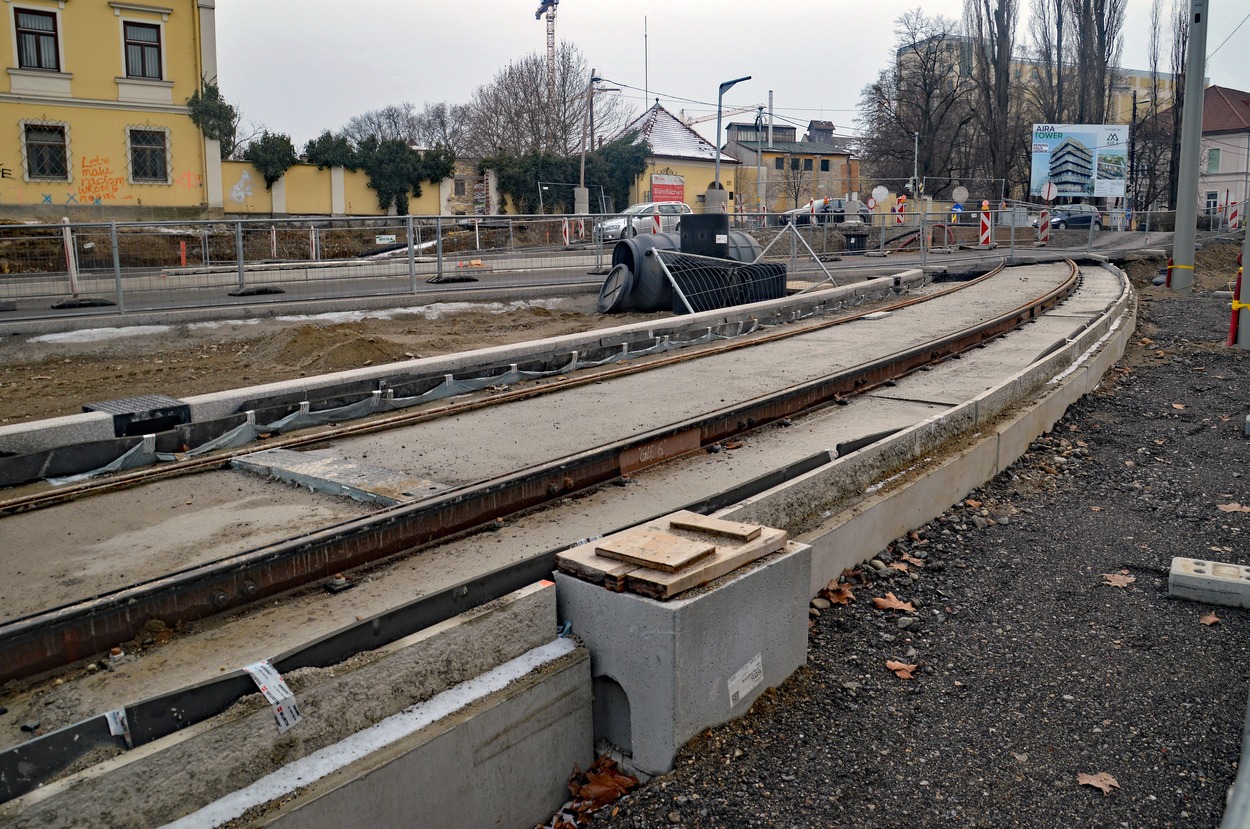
93 335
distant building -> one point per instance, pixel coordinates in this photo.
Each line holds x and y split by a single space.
681 165
791 172
1224 176
1071 166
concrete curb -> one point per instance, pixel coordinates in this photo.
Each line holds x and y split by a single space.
997 427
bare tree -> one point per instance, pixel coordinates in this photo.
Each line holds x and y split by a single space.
1052 62
443 125
927 92
397 122
513 114
1097 25
992 28
1180 49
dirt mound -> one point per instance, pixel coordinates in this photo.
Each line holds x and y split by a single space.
325 348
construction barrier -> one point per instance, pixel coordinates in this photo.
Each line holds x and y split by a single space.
1043 227
987 236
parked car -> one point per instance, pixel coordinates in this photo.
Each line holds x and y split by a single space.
1064 216
819 211
640 218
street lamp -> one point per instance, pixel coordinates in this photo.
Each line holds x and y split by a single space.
720 95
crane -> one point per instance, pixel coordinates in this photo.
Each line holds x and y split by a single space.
690 120
549 8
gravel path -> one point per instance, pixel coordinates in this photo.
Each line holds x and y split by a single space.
1031 669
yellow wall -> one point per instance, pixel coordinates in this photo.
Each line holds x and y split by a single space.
698 176
359 198
243 188
307 190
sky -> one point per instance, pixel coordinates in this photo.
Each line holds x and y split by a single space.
304 66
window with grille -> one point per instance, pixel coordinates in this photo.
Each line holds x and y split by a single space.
460 189
143 50
147 156
46 157
779 163
807 164
36 40
824 165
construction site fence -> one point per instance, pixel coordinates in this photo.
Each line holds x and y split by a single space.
49 270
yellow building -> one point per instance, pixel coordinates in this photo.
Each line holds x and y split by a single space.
95 94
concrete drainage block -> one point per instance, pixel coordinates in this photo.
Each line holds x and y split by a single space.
1227 585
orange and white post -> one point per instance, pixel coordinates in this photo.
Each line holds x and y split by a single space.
987 227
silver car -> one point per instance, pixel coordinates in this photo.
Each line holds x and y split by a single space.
648 217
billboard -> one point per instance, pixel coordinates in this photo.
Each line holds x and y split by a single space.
1081 160
668 188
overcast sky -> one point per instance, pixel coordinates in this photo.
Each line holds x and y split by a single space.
304 66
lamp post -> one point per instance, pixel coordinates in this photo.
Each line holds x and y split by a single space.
720 96
759 155
1132 153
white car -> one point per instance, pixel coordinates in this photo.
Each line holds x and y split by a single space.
642 218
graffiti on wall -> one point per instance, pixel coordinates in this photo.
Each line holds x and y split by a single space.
97 182
5 170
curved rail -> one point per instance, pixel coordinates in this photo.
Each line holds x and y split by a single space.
56 637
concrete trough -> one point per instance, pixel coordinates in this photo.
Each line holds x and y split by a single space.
489 696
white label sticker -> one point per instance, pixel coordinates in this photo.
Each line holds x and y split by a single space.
286 713
747 677
118 726
722 239
269 681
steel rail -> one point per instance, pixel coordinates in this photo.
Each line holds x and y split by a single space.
57 637
308 438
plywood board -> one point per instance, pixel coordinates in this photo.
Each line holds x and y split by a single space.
658 550
727 558
583 563
686 520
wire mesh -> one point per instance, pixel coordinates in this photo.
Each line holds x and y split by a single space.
703 283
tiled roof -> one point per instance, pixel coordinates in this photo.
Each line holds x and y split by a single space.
668 137
1225 110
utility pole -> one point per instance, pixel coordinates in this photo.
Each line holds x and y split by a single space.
915 168
759 156
1191 143
581 197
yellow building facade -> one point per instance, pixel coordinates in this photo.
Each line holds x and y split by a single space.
94 107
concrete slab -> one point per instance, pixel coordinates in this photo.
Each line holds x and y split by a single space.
1210 582
323 471
40 435
666 670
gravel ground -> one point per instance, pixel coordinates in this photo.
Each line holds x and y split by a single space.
1031 668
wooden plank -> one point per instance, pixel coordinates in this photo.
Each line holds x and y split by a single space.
653 548
582 562
686 520
660 585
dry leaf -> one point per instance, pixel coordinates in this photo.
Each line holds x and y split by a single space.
973 504
1209 619
901 669
1178 405
892 602
734 444
1147 341
912 560
1095 509
1101 780
1118 579
1129 464
838 593
1232 507
1224 418
897 565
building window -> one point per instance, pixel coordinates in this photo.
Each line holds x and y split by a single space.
46 155
824 165
1213 202
148 157
1213 160
460 189
807 164
143 50
779 163
794 164
36 40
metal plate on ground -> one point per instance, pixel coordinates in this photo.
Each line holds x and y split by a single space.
324 472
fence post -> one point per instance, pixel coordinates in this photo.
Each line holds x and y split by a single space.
438 246
1014 215
117 268
412 255
924 246
1089 241
71 263
238 249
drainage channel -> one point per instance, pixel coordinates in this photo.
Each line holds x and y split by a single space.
54 638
